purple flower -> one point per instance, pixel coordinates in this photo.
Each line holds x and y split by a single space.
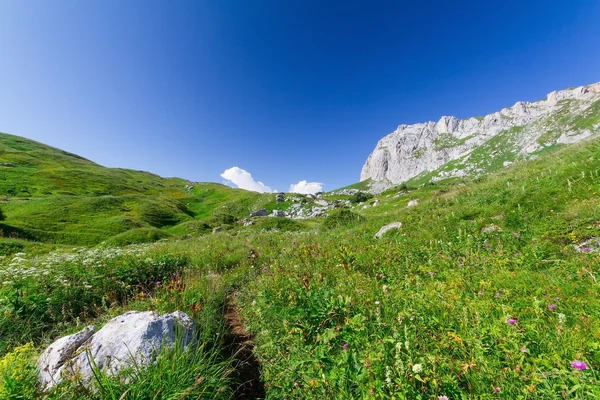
551 307
534 240
516 235
580 365
524 349
432 273
461 265
497 389
158 283
557 298
511 321
345 346
517 254
498 294
487 244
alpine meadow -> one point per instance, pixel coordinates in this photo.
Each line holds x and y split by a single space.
456 257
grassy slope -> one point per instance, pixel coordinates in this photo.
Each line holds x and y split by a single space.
54 196
421 313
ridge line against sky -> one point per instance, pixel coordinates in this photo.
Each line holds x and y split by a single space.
296 91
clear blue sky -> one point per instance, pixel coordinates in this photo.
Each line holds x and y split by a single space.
287 90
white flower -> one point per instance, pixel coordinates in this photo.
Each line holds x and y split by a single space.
561 318
417 368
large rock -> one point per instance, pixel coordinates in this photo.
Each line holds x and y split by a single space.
134 338
425 147
260 213
388 227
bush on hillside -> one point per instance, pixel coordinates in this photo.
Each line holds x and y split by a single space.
280 224
342 218
136 236
360 197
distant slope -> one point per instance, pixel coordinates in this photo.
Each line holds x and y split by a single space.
54 196
454 148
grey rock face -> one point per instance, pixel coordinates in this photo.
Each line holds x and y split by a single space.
260 213
388 227
413 203
133 338
278 213
524 129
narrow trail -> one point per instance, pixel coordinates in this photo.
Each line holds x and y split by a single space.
242 348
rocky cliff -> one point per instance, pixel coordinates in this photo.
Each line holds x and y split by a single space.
453 147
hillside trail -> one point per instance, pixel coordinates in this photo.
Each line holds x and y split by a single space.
242 349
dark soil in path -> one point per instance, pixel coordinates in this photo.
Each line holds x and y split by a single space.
242 348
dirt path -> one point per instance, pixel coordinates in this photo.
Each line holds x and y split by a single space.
242 348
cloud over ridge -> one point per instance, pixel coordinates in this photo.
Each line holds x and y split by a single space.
244 180
304 187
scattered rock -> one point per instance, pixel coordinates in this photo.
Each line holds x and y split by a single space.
217 229
413 203
134 338
278 213
260 213
491 228
388 227
589 246
7 164
280 197
248 223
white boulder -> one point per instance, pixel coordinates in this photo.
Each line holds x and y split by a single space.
388 227
134 338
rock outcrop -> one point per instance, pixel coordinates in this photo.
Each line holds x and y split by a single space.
134 338
388 227
473 144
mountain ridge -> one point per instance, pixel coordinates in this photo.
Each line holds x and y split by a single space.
448 148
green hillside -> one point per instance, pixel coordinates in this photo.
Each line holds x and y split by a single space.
50 195
488 290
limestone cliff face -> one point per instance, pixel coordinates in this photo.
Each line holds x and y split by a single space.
453 147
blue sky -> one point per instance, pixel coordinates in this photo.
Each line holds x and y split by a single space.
286 90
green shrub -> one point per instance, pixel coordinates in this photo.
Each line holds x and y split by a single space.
342 217
137 236
279 224
360 197
18 373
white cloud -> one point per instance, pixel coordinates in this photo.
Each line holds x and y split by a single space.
244 180
304 187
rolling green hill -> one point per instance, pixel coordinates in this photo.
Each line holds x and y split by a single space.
50 195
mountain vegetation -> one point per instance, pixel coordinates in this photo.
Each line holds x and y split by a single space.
488 289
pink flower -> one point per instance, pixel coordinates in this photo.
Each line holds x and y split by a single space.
345 346
580 365
511 321
443 398
551 307
524 349
497 389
